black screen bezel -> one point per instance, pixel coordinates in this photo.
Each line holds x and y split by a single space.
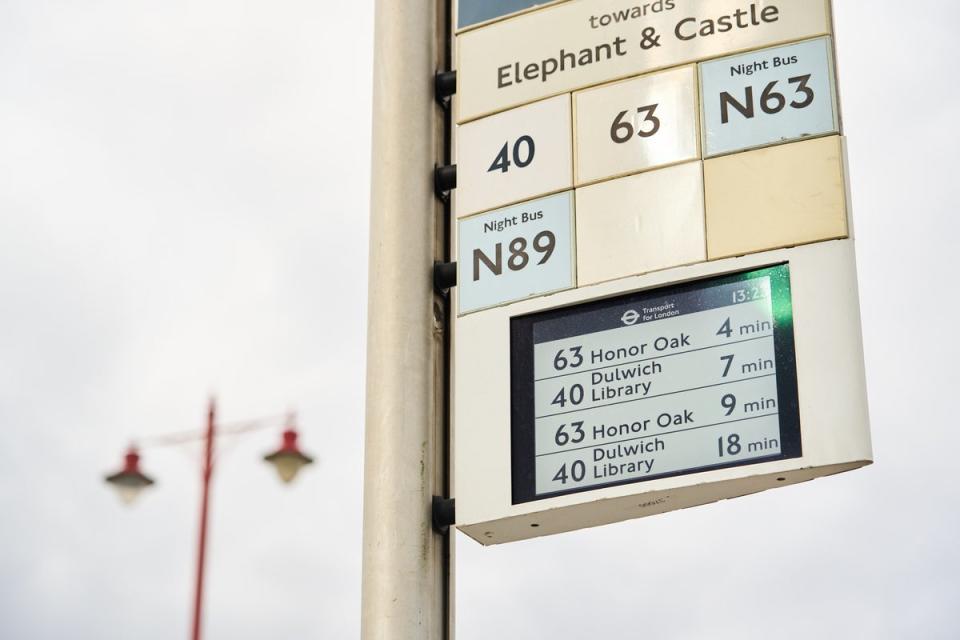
522 410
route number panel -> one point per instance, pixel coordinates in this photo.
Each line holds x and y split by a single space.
768 97
654 384
514 156
639 124
516 252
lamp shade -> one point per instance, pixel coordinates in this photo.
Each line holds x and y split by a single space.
130 481
288 459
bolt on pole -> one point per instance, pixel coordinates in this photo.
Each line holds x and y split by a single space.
406 577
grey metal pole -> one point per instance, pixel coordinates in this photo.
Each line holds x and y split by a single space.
406 583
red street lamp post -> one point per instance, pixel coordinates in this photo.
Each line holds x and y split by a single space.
204 511
130 481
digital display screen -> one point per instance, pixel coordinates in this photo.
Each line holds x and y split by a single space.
664 382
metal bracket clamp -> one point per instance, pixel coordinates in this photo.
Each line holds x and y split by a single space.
444 276
443 514
444 180
444 86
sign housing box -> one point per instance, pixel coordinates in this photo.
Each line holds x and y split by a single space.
614 231
831 393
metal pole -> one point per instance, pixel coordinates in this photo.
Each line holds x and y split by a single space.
204 510
405 564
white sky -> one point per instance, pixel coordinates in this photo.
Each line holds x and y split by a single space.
183 209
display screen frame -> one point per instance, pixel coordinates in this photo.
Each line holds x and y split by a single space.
522 378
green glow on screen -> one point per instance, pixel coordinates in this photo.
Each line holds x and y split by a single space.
780 291
781 301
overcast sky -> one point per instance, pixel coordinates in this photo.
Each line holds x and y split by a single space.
183 210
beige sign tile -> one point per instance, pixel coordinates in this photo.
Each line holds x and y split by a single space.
775 197
514 156
637 124
578 44
641 223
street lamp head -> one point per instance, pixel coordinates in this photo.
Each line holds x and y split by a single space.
288 459
130 481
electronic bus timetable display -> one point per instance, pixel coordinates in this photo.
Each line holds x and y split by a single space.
659 383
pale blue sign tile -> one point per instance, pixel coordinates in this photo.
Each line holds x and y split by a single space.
768 96
517 252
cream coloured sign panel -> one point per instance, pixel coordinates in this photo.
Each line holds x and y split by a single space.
514 156
581 43
775 197
640 223
637 124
